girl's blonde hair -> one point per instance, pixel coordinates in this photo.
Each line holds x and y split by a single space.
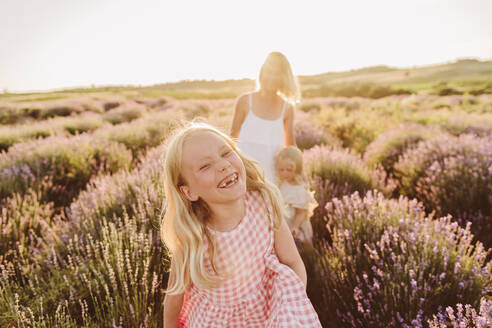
294 155
183 226
290 86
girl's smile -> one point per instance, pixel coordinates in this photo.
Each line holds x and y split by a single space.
229 181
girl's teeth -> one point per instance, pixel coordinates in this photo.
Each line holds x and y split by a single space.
229 182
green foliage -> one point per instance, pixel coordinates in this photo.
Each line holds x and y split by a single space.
115 279
307 135
124 113
356 128
70 162
340 167
141 134
367 90
354 135
307 107
80 125
58 111
390 145
110 196
107 265
337 172
437 171
26 224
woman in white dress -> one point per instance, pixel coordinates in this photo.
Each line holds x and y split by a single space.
263 120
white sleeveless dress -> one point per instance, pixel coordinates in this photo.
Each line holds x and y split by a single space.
260 139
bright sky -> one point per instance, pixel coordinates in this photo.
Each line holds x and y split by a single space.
48 44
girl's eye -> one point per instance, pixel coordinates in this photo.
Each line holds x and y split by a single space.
227 153
206 166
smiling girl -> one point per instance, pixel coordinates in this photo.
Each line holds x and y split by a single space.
234 262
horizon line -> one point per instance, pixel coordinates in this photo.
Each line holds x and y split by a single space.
93 86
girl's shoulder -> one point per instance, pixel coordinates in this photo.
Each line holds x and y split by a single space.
254 197
257 201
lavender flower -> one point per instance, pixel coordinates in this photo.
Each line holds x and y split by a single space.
436 171
464 318
391 243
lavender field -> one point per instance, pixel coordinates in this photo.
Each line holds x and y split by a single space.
403 231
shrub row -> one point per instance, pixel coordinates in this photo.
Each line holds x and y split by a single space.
388 262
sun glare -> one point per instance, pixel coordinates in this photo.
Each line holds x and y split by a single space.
56 44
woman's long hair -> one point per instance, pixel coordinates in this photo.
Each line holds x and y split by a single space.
183 227
289 88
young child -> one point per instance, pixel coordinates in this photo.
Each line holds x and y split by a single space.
233 259
299 201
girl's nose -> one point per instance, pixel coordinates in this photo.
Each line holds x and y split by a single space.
223 165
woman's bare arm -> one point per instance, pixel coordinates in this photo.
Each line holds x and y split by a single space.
290 139
240 111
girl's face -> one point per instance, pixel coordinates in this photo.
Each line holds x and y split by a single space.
212 170
286 170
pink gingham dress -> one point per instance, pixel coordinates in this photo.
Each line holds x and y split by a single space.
261 293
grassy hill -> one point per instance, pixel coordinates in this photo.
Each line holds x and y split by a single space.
465 69
466 75
462 76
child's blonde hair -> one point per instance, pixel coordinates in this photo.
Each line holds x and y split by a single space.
294 155
183 227
290 86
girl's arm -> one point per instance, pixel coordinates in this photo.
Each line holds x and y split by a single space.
290 139
172 305
287 251
240 111
299 218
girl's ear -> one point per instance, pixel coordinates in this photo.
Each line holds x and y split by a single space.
185 190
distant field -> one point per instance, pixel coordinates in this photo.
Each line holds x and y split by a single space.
466 76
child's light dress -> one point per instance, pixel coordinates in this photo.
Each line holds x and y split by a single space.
260 139
296 196
263 293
